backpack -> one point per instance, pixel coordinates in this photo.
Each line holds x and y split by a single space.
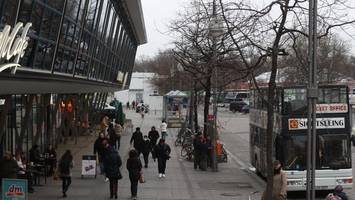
332 196
64 167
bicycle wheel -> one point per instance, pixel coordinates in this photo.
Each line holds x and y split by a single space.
177 142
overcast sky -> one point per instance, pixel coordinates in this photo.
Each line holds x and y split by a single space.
158 14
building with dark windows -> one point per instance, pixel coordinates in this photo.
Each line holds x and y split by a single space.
59 59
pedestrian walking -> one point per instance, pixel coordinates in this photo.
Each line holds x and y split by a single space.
112 136
137 140
65 164
119 131
146 150
99 148
112 164
338 194
280 183
133 105
134 167
164 129
197 150
162 153
127 105
153 136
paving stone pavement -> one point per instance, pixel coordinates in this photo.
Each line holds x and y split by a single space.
182 182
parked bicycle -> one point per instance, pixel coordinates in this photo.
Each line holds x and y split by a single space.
187 151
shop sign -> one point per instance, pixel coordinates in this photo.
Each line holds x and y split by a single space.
332 108
14 189
13 46
321 123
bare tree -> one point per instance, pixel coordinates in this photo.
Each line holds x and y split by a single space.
265 30
198 52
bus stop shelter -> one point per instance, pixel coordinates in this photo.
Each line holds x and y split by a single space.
175 106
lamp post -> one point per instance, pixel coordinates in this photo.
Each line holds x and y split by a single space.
215 30
312 96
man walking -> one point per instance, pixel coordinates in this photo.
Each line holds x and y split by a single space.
153 136
164 129
162 153
137 140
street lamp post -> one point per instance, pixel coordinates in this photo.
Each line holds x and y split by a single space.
215 31
312 95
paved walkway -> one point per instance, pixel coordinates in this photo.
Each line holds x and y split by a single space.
181 182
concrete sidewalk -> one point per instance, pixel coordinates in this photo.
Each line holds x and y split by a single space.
181 182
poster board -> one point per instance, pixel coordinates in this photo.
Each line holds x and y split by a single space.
14 189
88 166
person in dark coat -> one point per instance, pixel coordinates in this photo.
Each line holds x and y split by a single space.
338 191
134 167
113 162
99 148
51 157
137 140
8 166
204 153
162 153
146 150
65 165
112 137
153 136
35 154
197 151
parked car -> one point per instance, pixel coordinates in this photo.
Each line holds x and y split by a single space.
142 107
237 106
245 109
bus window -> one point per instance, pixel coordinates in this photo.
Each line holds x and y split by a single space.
295 101
295 153
333 152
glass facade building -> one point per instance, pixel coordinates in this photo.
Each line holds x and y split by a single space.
74 50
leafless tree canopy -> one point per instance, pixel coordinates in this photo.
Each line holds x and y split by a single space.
262 31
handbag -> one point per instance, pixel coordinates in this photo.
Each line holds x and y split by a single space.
119 175
141 178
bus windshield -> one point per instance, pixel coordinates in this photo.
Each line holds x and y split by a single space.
332 152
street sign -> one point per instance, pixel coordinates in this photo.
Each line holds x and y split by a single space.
14 189
88 166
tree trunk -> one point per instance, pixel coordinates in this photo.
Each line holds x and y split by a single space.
207 101
270 123
195 107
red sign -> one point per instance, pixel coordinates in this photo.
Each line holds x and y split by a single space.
210 117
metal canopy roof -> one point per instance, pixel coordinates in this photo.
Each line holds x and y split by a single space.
134 10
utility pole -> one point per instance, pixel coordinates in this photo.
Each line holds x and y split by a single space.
312 96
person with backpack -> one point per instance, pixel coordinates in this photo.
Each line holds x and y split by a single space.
112 162
65 164
134 167
162 153
146 150
280 183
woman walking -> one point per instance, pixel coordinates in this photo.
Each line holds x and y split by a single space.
65 164
113 162
134 167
